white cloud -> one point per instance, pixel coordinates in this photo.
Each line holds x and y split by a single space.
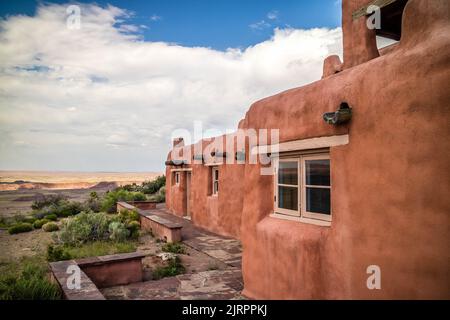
101 98
273 15
260 25
155 17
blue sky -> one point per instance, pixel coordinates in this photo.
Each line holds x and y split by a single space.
218 24
116 90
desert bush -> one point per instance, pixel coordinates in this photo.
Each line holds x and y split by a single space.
83 228
57 253
20 228
62 208
112 197
25 219
93 203
39 223
50 227
151 187
128 215
27 280
68 208
47 200
118 232
160 196
6 222
133 227
51 217
174 248
173 268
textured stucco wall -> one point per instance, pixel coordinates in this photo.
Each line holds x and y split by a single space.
390 183
220 213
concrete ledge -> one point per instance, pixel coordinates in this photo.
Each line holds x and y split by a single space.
144 205
98 272
124 206
88 290
162 228
136 205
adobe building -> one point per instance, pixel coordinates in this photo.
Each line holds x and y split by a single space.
367 188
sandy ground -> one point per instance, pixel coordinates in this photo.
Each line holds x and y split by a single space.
13 247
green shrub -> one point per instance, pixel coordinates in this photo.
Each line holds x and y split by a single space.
47 200
93 203
174 247
50 227
118 232
128 215
173 268
112 197
51 217
154 186
27 280
67 209
6 222
39 223
57 253
25 219
20 227
62 208
133 227
84 227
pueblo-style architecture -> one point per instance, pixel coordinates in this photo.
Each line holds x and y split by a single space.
357 205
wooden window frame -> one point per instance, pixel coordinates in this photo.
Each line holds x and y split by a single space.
301 187
307 214
289 212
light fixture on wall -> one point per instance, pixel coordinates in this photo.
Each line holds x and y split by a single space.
342 115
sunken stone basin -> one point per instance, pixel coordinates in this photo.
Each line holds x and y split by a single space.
95 273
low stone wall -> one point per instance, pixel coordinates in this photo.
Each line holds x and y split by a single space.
136 205
161 228
113 270
144 205
97 272
87 291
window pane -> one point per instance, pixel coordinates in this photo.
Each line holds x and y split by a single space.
318 200
288 172
317 172
216 174
288 198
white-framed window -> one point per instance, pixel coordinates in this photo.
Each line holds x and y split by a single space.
215 180
177 178
303 186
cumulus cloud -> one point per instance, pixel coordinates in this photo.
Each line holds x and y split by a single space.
102 98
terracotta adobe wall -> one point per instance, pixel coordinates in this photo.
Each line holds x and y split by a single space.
390 184
390 189
218 213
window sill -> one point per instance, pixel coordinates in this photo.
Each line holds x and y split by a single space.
321 223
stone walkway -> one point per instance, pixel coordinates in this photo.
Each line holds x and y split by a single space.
224 249
221 282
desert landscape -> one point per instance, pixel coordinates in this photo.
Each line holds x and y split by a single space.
18 189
